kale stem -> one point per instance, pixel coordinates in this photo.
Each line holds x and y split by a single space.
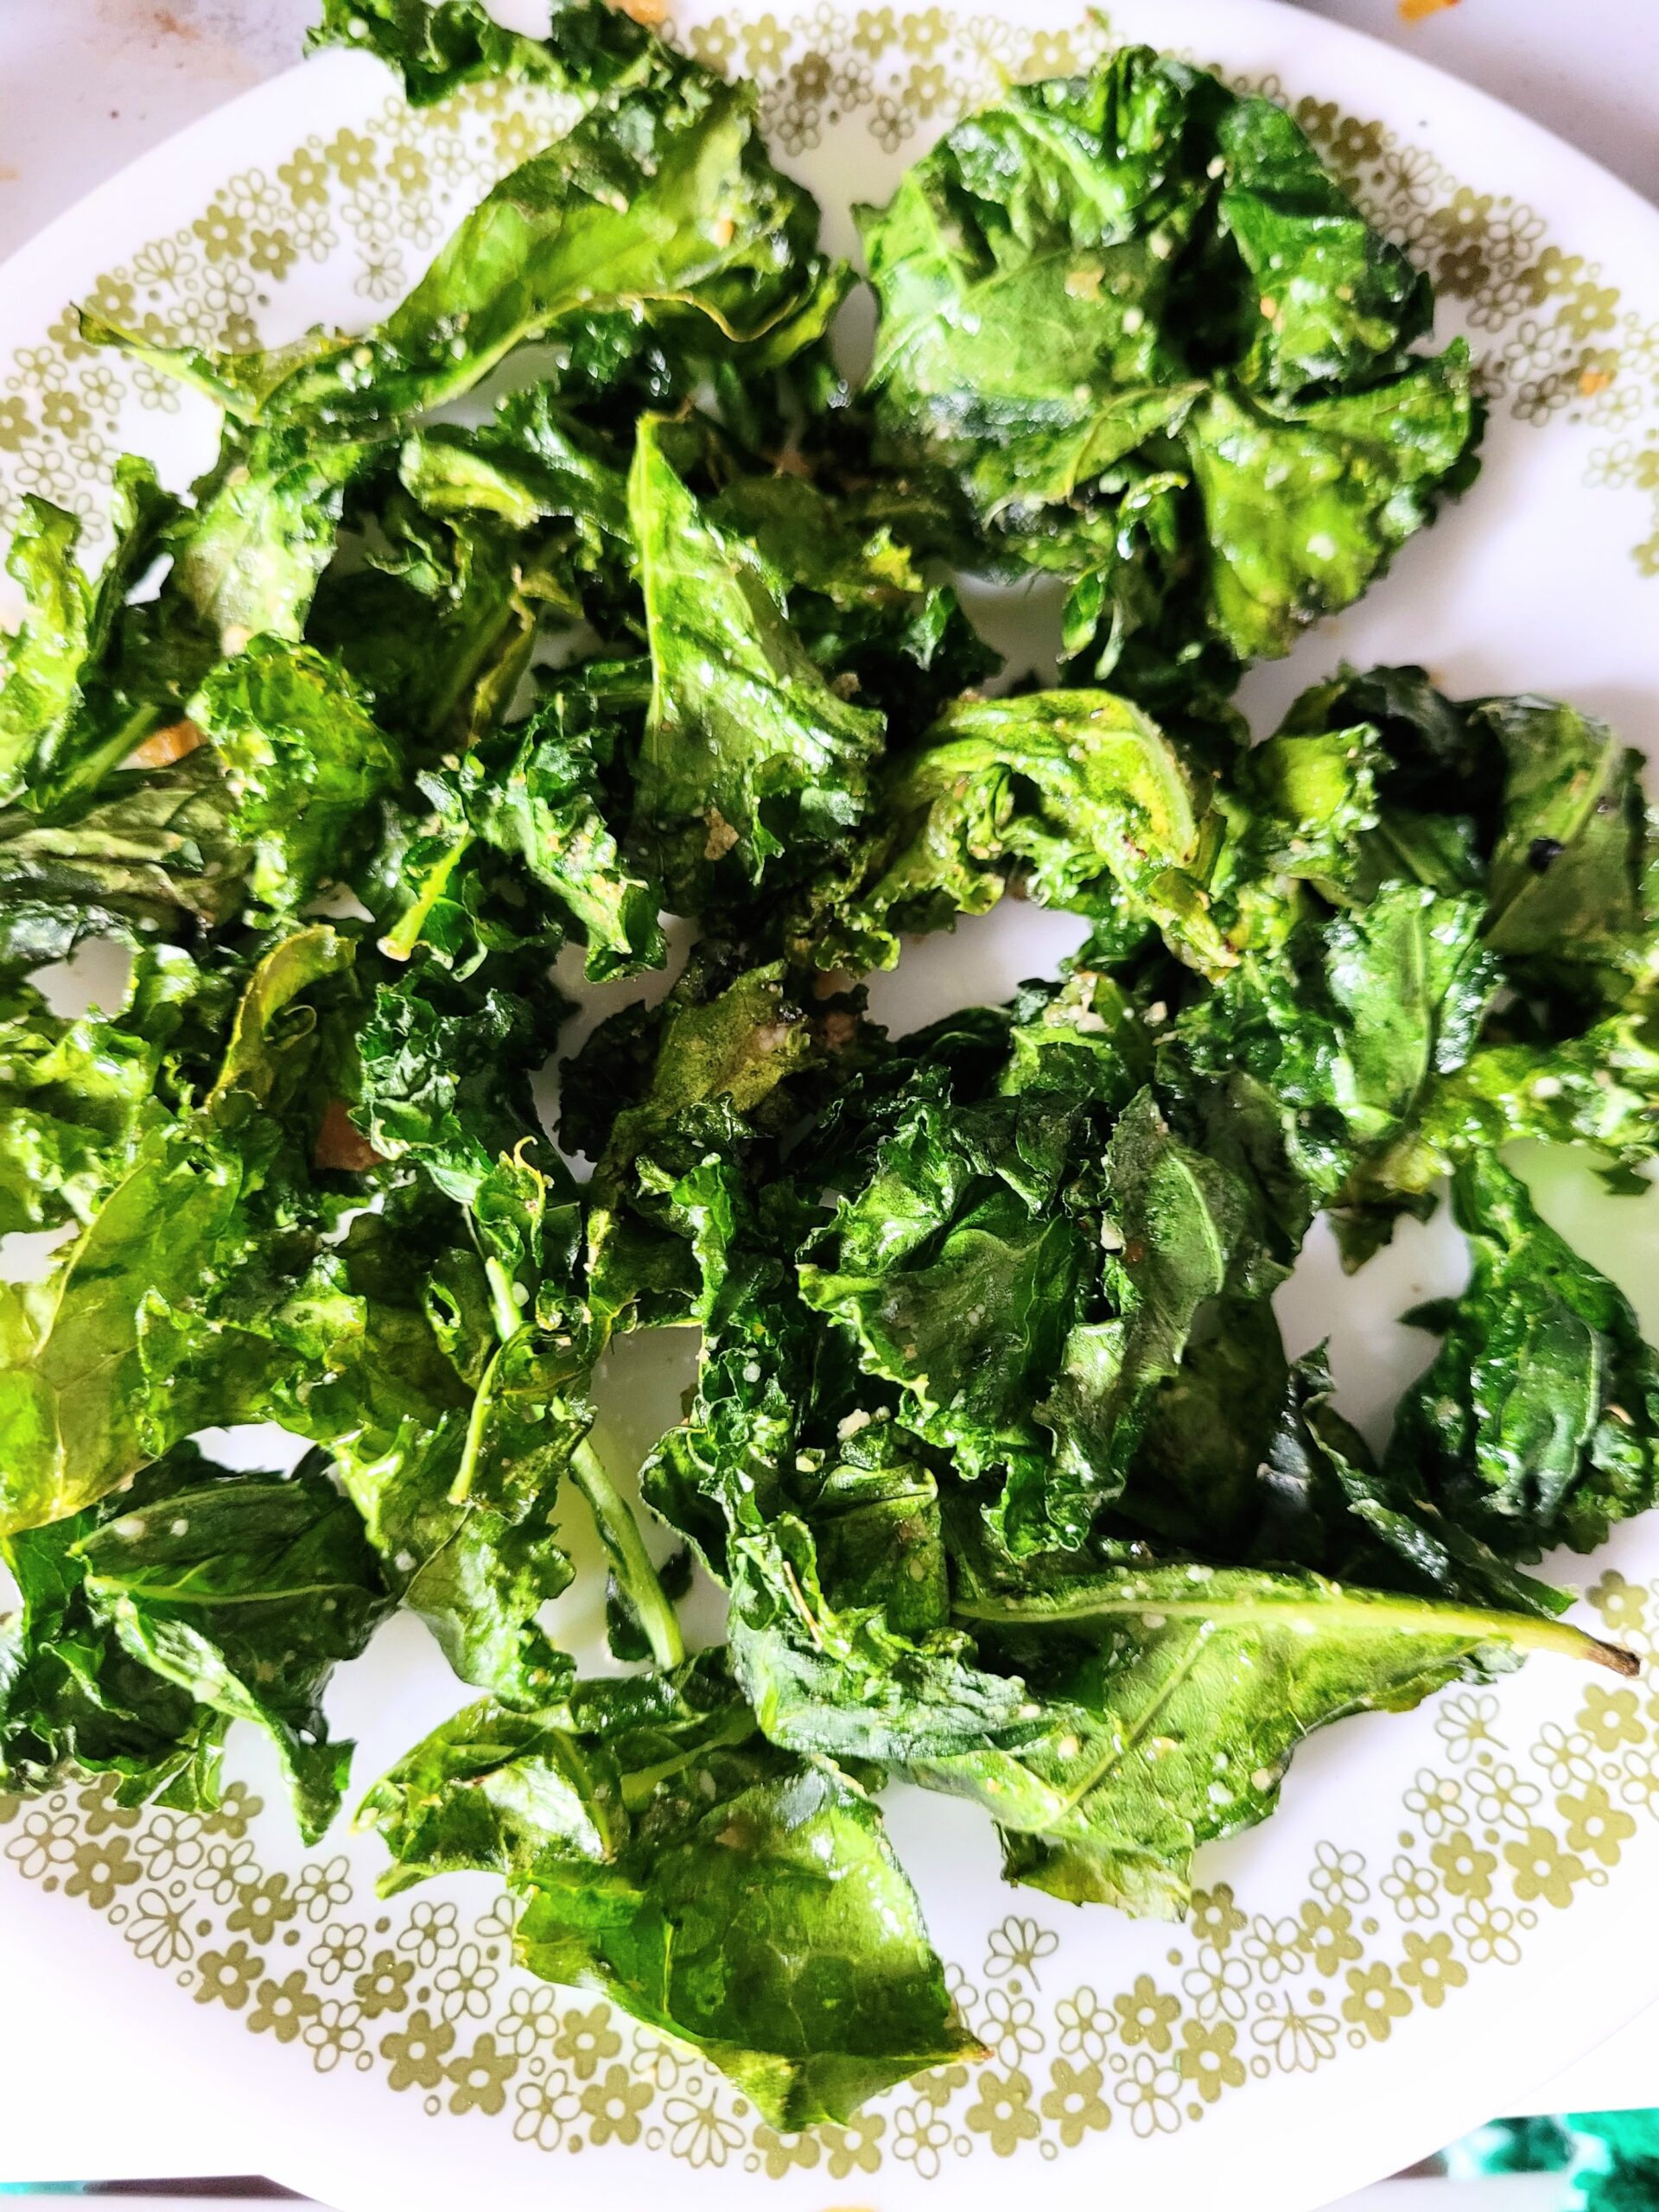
619 1534
504 1306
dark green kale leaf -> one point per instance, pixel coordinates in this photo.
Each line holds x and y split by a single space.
857 597
1180 1231
662 199
539 793
302 760
717 1888
74 1698
1150 344
148 857
195 1599
438 49
76 1101
71 706
1538 1423
245 1590
750 757
1176 1697
1075 792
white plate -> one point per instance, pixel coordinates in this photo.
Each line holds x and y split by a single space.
1364 1985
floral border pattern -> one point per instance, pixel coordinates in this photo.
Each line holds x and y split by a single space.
1491 1839
1555 339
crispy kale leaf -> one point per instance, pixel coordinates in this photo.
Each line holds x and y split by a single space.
717 1888
1536 1424
1177 1694
1076 794
1150 344
749 758
661 200
197 1598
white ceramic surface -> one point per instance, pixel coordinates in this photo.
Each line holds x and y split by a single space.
1530 584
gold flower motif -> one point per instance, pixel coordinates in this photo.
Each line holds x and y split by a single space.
1011 2025
1411 1890
1085 2024
237 1805
380 278
1148 2095
465 1982
283 2007
1340 1876
1566 1759
1208 2059
1273 1948
1594 1826
1217 1985
15 428
1375 2001
939 2083
305 176
1488 1930
1145 2015
1542 1869
1502 1799
1592 307
586 2039
699 2133
1074 2103
1214 1917
333 2032
1328 1935
223 232
273 253
323 1888
1002 2111
170 1845
531 2018
1465 1725
874 31
1435 1801
1052 54
340 1951
714 44
1623 1606
779 2154
765 44
921 2135
546 2108
228 1977
102 1866
47 1839
614 2106
262 1906
384 1987
415 2055
1465 1871
1431 1969
112 298
927 87
855 2147
407 168
924 32
352 158
432 1930
481 2078
891 124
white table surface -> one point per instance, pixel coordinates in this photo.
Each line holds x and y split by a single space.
86 86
